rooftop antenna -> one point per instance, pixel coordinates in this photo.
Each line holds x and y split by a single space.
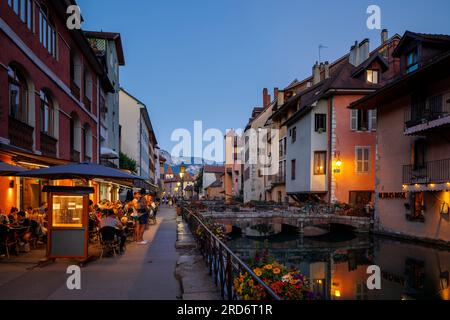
320 51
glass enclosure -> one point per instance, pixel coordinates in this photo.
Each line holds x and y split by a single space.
67 211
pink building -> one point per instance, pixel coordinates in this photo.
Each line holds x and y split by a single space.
413 136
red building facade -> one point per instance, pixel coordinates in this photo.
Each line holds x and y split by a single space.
50 84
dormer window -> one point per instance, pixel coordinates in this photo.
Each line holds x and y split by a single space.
412 61
372 76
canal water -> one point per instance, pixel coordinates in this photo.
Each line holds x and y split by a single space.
337 263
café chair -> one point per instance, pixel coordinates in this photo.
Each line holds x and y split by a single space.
109 241
7 240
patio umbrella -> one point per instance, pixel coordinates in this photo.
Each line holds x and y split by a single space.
82 171
9 170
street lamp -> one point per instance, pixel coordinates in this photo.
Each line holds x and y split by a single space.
182 173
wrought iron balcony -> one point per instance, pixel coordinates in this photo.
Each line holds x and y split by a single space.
278 180
48 145
428 110
20 134
432 172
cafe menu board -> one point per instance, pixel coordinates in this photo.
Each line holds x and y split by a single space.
67 211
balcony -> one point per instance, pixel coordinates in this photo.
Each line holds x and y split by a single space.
75 90
279 179
75 156
428 114
48 145
87 103
433 172
20 134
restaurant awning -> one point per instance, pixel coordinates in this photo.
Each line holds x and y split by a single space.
9 170
83 171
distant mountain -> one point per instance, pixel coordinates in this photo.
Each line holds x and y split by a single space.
193 164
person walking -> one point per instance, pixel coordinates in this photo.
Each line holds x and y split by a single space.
142 210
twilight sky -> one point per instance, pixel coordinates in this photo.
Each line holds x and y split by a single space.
210 59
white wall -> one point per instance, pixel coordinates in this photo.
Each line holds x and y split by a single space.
129 117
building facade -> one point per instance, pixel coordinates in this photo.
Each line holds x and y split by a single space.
137 139
50 84
413 161
330 150
233 182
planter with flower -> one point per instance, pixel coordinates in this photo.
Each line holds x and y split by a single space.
287 284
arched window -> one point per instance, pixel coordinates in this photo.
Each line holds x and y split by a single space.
47 114
18 95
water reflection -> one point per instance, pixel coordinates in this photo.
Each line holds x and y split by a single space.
337 265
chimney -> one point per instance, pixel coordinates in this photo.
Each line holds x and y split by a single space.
364 50
266 98
275 93
384 36
316 73
354 54
280 98
326 67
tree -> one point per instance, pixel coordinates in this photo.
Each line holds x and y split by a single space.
198 186
127 163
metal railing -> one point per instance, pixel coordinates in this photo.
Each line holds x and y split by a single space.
432 172
222 263
427 110
20 134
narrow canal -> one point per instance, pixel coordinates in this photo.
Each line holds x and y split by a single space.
336 264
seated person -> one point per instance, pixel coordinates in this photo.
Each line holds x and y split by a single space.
13 215
110 220
3 218
23 221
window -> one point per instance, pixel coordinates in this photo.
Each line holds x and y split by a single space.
293 169
419 151
320 163
363 120
415 274
321 123
23 9
47 114
294 134
47 32
372 76
417 206
18 95
362 159
412 61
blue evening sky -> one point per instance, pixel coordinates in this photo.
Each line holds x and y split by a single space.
210 59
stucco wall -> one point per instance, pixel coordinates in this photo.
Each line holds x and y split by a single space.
395 151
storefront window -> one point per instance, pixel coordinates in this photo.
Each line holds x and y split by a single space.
67 211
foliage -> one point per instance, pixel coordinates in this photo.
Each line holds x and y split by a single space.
217 229
198 186
127 163
287 284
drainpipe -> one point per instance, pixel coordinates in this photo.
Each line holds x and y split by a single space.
330 137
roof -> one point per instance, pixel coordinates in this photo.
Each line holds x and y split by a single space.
214 169
215 184
432 38
344 78
434 68
113 36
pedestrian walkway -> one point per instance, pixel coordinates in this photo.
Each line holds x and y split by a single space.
145 272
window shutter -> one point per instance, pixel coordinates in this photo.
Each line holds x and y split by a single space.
373 120
353 120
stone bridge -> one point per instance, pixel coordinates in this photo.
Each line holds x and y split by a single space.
276 220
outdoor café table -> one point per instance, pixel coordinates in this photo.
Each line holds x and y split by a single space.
17 231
